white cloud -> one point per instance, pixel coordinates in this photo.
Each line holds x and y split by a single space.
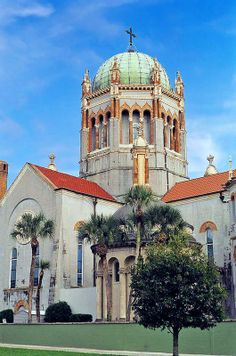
9 10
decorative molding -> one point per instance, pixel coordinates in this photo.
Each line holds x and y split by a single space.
208 225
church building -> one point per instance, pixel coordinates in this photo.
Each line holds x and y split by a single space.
132 132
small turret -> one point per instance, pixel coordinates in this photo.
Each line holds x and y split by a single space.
179 85
211 169
86 85
52 165
3 178
115 73
231 172
156 73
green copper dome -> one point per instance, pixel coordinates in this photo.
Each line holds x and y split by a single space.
135 68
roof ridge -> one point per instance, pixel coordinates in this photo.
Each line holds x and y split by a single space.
212 175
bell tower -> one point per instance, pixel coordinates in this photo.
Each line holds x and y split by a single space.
129 91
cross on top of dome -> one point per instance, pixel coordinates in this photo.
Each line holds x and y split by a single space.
131 36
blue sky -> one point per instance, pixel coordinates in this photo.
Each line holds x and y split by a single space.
45 47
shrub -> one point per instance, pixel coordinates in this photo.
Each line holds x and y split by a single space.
81 318
58 312
6 314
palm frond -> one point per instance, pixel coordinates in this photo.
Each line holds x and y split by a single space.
44 265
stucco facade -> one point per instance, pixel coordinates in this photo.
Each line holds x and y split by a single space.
31 193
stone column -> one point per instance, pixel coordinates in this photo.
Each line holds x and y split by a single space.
171 138
84 137
159 134
97 136
122 294
99 297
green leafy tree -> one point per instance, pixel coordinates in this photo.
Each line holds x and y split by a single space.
43 266
101 230
29 229
177 287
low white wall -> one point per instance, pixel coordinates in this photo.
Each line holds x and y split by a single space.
81 300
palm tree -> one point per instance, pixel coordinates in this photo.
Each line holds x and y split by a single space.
29 229
139 197
101 231
163 220
43 266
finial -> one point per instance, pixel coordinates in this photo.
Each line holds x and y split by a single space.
86 74
211 169
52 165
210 159
231 173
131 35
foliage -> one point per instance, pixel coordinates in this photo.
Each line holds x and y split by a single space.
81 318
99 230
177 287
162 220
58 312
30 228
7 314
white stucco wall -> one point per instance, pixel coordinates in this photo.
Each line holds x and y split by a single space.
199 210
81 300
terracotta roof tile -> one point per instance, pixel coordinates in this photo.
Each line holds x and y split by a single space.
75 184
197 187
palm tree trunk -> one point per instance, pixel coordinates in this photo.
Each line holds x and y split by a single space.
37 301
138 242
108 287
31 281
175 342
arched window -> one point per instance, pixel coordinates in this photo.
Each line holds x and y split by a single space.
101 132
209 242
80 262
108 116
175 135
13 267
36 271
93 134
117 271
125 127
233 205
136 117
168 132
147 126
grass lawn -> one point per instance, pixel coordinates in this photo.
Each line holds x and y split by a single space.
24 352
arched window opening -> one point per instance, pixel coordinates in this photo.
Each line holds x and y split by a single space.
13 267
36 270
117 271
168 131
93 134
80 262
209 241
108 116
101 132
233 202
175 137
147 126
136 118
125 127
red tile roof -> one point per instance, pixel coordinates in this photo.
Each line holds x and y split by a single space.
78 185
197 187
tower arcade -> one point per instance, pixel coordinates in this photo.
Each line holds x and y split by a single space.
129 91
